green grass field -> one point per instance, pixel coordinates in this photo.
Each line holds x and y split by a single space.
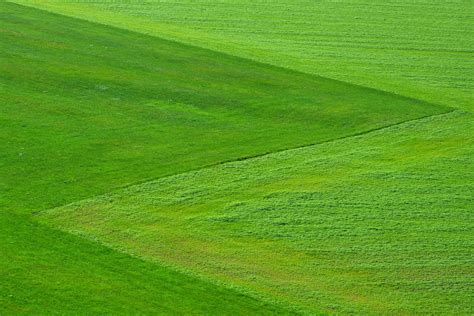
45 271
189 157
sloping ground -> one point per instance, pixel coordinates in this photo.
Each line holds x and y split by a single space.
423 49
374 224
88 108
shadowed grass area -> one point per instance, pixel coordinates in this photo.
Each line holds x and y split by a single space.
373 224
87 108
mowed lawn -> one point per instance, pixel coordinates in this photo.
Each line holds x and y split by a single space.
375 224
45 271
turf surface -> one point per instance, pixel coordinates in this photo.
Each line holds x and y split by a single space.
80 106
88 108
44 271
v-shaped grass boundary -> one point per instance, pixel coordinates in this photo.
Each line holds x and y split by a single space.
293 224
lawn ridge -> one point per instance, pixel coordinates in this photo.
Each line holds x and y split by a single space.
38 213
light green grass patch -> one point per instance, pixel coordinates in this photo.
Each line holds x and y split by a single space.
378 223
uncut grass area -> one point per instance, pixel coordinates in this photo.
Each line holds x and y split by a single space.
374 224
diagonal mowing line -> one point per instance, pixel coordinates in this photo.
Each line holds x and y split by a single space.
451 110
187 44
362 133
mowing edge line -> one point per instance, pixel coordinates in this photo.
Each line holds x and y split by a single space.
243 158
247 59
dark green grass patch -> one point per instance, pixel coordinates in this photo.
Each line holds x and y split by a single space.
87 108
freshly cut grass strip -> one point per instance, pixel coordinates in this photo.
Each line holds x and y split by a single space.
87 108
375 224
